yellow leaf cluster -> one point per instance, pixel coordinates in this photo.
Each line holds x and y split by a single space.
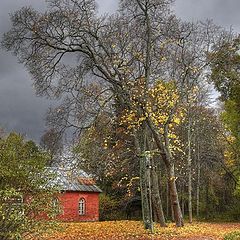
131 119
160 103
163 98
229 158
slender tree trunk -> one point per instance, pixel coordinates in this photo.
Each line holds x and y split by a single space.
207 198
183 209
189 164
167 199
144 193
154 206
158 173
198 181
149 223
172 210
183 202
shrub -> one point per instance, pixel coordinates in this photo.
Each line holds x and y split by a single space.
109 208
232 236
22 195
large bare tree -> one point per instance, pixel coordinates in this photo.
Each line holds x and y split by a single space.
96 62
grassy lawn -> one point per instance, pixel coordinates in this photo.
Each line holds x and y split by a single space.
125 230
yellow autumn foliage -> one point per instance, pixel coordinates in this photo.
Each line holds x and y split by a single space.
160 103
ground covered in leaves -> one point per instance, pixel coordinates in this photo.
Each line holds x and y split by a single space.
130 230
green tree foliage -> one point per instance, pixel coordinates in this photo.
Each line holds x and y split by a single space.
225 75
108 207
225 62
225 66
23 197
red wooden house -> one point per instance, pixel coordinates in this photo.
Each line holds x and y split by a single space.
79 196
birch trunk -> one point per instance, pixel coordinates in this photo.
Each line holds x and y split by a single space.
189 164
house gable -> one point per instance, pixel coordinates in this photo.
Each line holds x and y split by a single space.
78 197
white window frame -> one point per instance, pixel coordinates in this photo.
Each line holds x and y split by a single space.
18 202
82 206
56 204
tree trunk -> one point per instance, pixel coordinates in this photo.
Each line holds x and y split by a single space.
198 182
183 208
167 198
189 164
167 159
156 198
183 202
207 199
174 197
144 193
140 143
149 187
172 210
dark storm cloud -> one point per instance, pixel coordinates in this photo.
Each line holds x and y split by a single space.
22 111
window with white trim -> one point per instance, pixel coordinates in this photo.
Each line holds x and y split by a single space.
18 204
82 206
56 206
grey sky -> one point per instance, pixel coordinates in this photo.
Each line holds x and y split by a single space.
22 111
223 12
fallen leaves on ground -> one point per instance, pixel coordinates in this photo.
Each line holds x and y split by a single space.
133 230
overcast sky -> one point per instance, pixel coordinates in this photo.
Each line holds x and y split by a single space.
22 111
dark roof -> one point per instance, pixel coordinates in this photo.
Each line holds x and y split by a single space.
72 180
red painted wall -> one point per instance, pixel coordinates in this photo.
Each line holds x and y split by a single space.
69 201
